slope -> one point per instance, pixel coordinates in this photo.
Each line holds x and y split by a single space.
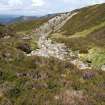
85 31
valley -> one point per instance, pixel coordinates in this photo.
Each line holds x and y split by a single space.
57 59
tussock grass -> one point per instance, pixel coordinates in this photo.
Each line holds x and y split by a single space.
86 18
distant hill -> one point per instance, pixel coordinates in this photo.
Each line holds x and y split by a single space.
8 19
21 23
23 18
28 23
5 19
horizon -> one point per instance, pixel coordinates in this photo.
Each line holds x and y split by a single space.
42 7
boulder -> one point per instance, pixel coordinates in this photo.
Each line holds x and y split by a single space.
103 68
24 47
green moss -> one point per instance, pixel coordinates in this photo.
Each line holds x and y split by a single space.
97 56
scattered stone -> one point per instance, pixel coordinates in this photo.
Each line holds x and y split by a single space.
80 64
6 55
24 47
6 37
46 47
103 68
56 97
63 75
26 38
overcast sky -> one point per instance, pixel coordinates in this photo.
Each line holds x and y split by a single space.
41 7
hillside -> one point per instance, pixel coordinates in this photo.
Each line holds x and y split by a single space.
6 19
88 20
84 31
10 19
30 24
54 60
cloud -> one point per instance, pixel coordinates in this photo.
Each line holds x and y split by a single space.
97 1
42 6
84 1
38 2
14 3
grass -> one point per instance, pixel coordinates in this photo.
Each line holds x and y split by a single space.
38 80
45 82
88 31
49 81
85 31
28 25
97 56
86 18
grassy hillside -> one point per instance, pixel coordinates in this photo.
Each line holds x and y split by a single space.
40 81
85 19
29 25
48 81
80 28
85 31
37 81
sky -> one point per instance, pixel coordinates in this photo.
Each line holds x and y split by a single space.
41 7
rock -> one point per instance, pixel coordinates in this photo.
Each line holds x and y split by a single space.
103 68
46 47
6 55
24 47
6 37
26 38
56 97
21 74
80 64
83 66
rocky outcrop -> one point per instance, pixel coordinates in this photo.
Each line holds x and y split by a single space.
80 64
24 47
46 47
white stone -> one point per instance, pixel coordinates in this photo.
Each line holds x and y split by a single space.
103 68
